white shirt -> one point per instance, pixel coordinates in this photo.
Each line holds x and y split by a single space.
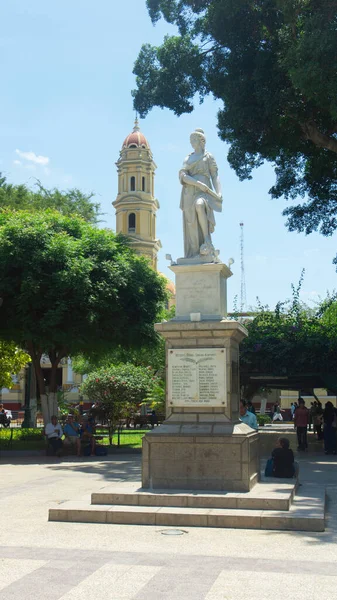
53 431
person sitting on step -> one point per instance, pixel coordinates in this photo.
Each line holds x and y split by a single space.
282 463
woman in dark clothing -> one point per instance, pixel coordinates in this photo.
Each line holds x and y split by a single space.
318 420
329 431
283 459
281 463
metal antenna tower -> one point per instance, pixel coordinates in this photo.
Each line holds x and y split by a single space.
243 300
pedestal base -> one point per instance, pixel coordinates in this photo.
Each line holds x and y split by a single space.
201 456
201 288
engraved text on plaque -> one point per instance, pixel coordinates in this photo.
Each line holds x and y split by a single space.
197 377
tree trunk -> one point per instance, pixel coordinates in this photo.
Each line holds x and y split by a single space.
48 399
48 406
45 408
39 380
312 133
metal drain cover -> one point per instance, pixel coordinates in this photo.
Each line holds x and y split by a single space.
172 532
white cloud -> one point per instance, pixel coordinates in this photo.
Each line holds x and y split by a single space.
18 163
34 158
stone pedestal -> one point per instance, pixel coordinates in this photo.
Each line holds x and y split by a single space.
201 445
201 289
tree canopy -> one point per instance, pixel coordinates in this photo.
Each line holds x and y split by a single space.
291 341
70 202
273 65
143 356
69 287
12 360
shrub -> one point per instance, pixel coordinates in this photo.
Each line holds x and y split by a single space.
118 390
263 419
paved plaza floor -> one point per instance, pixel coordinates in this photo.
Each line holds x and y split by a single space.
70 561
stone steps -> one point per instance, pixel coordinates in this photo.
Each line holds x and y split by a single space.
264 496
306 513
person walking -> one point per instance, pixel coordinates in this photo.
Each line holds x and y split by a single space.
312 411
277 415
318 422
329 430
301 418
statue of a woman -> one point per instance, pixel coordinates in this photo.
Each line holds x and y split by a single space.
198 200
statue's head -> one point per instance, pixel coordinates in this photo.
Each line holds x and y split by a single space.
197 138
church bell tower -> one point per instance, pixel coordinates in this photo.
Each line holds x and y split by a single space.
136 205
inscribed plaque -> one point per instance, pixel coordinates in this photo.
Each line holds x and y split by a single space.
197 377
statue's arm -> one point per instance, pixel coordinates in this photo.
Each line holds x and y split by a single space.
188 180
213 167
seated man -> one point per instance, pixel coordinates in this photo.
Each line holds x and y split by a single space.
282 463
87 434
54 434
246 416
72 434
5 419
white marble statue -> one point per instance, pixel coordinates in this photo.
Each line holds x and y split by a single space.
198 200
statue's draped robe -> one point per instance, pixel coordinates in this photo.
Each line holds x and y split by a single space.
203 169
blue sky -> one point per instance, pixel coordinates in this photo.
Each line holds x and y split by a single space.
66 107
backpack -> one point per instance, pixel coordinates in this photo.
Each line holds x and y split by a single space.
269 470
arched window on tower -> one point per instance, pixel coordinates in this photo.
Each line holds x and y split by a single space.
143 184
132 184
132 223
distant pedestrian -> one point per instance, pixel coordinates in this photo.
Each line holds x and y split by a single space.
292 409
311 414
277 416
301 418
153 419
330 426
318 420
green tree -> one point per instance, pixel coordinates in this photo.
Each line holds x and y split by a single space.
117 391
273 65
152 356
149 356
12 360
68 286
70 202
290 341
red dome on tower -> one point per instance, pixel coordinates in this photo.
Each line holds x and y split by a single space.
136 139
